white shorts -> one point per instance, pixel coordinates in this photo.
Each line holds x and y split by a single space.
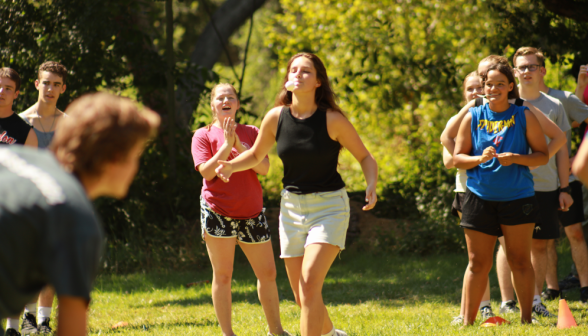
306 219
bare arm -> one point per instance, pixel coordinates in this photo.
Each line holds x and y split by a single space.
447 159
582 83
550 129
342 131
580 166
207 168
254 156
463 147
72 316
453 126
262 168
536 140
32 140
563 172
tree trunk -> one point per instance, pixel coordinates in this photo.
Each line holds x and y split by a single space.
209 47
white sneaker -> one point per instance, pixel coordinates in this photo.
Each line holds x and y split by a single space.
285 333
340 333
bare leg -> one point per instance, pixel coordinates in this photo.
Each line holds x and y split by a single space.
518 241
46 296
316 262
261 258
480 246
504 273
539 260
551 272
221 252
579 251
486 296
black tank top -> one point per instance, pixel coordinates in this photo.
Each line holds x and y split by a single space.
14 130
309 155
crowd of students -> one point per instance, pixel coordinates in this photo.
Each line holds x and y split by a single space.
513 185
514 182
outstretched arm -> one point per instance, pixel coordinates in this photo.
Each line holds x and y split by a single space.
342 131
550 129
253 157
452 128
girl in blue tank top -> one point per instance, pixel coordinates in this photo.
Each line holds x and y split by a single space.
506 133
493 145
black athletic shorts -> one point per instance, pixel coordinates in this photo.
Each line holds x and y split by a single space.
457 202
576 213
487 216
547 225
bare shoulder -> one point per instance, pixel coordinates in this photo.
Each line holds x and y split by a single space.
273 114
336 117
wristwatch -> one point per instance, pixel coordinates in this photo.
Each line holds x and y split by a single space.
567 189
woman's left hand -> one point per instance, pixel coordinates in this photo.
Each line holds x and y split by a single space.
505 159
370 197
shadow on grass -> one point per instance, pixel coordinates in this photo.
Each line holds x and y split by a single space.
147 326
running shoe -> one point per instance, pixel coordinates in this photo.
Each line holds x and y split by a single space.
510 306
486 312
29 324
551 294
340 333
457 321
569 282
44 328
11 332
541 310
584 295
285 333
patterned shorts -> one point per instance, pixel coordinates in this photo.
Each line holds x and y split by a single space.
250 231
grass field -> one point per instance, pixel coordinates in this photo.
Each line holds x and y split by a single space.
365 294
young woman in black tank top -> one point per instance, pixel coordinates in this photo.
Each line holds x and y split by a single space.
310 130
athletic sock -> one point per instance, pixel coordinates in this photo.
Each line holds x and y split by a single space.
536 300
503 304
44 313
484 304
330 333
12 323
31 308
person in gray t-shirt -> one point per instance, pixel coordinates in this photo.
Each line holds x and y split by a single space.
49 233
577 112
530 70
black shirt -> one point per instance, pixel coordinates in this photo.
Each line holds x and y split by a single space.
49 233
309 155
14 130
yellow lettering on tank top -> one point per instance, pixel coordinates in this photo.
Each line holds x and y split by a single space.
496 126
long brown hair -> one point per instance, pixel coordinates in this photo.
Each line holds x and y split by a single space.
324 97
463 86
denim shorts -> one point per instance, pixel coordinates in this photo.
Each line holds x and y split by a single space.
305 219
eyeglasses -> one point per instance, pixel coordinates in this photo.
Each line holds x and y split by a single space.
532 67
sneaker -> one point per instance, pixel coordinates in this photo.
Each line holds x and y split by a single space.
285 333
534 320
510 306
569 282
551 294
340 333
486 312
584 295
457 321
29 324
45 329
541 310
11 332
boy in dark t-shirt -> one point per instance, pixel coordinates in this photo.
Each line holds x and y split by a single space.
13 129
49 233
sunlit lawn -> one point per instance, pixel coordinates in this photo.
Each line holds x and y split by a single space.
366 295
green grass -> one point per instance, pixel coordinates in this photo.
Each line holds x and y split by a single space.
365 294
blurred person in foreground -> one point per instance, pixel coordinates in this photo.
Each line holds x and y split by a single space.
49 232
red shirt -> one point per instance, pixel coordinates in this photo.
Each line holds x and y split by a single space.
241 197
